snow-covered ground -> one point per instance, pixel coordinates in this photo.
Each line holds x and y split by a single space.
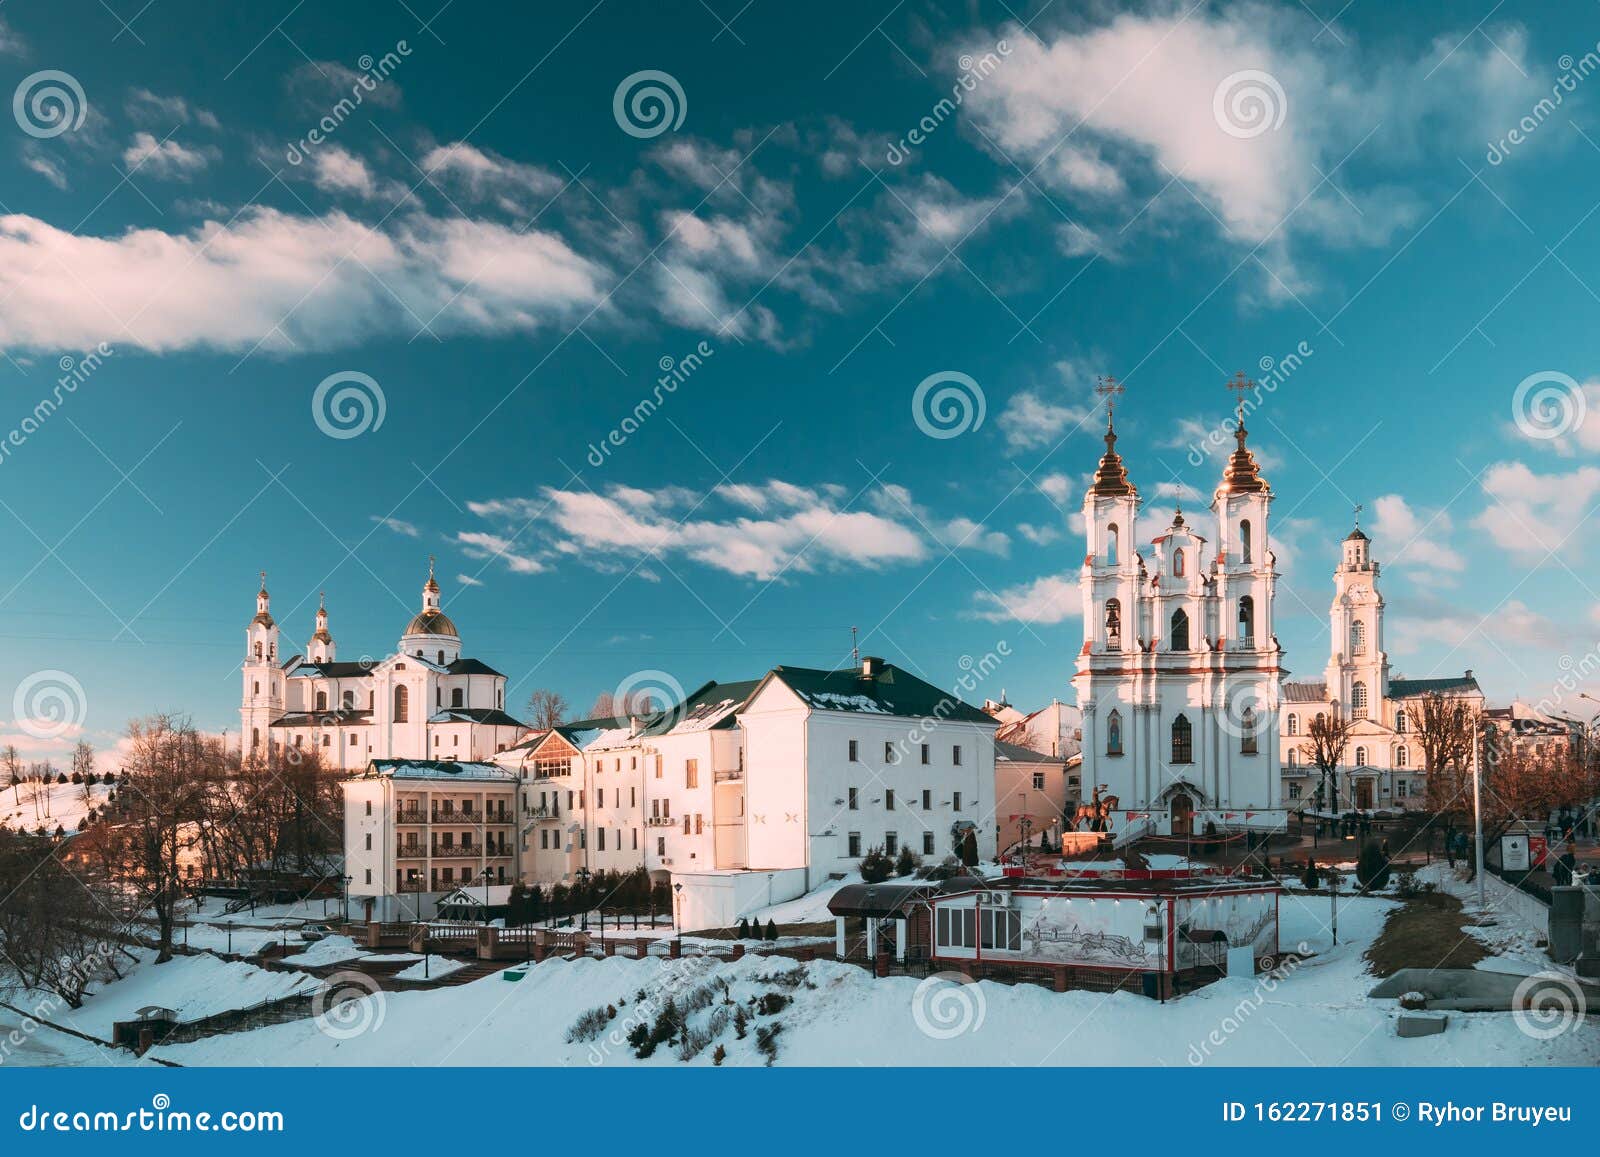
1317 1014
436 967
194 986
57 805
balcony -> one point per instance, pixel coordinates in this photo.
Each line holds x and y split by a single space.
544 812
411 851
471 818
469 851
729 775
660 822
410 816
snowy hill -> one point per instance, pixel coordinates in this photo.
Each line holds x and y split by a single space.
28 805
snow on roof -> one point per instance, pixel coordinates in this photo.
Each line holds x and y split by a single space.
834 701
436 769
608 739
705 716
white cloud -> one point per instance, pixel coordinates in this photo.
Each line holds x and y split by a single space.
1552 408
1113 112
46 166
476 544
1056 487
398 525
467 580
282 281
336 170
1036 418
1413 540
166 112
1535 514
164 159
1039 535
1047 600
478 175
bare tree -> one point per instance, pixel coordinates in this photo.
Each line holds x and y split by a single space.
83 766
11 769
1328 736
546 708
608 705
1444 726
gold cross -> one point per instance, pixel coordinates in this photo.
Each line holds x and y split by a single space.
1109 388
1242 385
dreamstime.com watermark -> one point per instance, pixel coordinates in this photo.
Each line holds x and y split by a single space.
1274 372
160 1117
973 70
372 74
947 1005
74 373
348 404
1573 73
49 103
974 672
49 704
1548 404
1249 103
948 404
649 103
674 372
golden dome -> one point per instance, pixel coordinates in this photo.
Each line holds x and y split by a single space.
432 622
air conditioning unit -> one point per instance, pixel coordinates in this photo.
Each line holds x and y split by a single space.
1000 899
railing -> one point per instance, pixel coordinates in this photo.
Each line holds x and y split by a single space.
544 812
661 822
411 851
469 816
410 816
469 851
729 775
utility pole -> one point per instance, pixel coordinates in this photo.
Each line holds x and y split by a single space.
1477 813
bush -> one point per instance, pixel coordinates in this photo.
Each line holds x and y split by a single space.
591 1024
720 1055
1310 877
969 848
772 930
876 866
741 1022
767 1041
744 928
1372 868
906 862
771 1003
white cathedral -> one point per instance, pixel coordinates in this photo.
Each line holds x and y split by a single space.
1179 675
424 701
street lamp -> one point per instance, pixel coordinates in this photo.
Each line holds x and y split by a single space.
677 910
583 898
486 874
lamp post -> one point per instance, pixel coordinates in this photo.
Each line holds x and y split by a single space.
677 910
583 897
344 913
1477 815
487 874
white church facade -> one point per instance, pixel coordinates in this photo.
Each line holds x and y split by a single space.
424 701
1179 675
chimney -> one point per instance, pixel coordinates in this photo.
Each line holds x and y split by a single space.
871 666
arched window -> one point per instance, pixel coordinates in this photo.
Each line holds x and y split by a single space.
258 651
1247 732
1402 757
322 700
1247 619
1114 733
441 658
1361 757
1180 630
1114 624
1358 700
1400 720
1358 637
1321 718
1113 542
1294 725
1182 740
402 700
1294 758
1177 563
255 738
348 701
456 698
1244 541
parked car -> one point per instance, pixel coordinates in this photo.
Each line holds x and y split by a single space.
311 933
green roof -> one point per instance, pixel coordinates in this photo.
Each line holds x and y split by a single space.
1407 688
894 691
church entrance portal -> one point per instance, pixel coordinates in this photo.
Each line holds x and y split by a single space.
1364 794
1182 811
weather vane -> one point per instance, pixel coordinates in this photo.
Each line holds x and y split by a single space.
1359 509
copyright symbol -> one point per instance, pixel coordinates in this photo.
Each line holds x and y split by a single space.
1401 1110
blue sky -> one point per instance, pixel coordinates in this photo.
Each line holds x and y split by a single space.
483 240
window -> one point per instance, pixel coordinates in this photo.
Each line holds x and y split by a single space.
1358 637
1401 788
457 698
1177 563
544 839
927 799
891 843
1113 541
348 701
956 927
1182 740
1358 700
955 800
1244 541
927 752
369 841
1247 732
888 752
1180 630
1361 757
661 845
1400 720
401 702
322 700
600 840
955 756
691 773
1000 929
369 807
599 797
855 755
1247 619
1294 791
685 823
1402 757
855 799
1038 781
1294 725
1114 624
1294 758
854 850
369 875
888 800
636 839
1114 733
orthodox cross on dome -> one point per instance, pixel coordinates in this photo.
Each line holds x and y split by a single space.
1110 389
1241 385
263 575
1359 509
